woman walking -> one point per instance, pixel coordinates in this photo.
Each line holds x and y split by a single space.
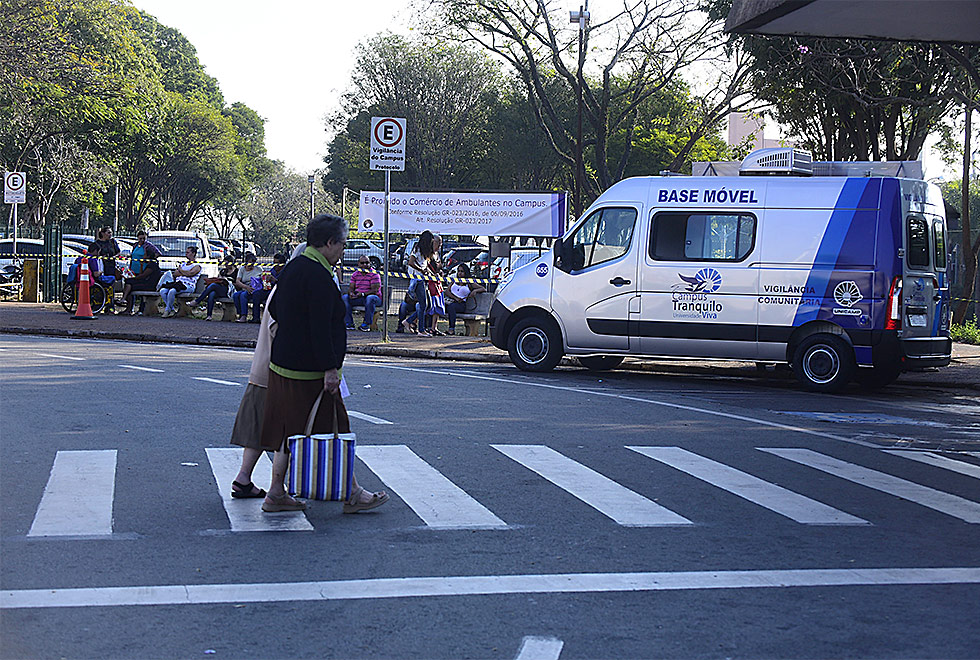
420 270
307 355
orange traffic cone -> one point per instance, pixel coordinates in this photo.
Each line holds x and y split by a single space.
84 311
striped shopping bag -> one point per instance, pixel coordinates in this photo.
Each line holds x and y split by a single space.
321 466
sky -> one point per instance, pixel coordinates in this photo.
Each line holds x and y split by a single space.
288 60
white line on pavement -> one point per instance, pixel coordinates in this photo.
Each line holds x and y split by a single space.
368 418
937 460
78 498
775 498
214 380
624 397
601 493
540 648
62 357
481 585
246 515
131 366
439 502
934 499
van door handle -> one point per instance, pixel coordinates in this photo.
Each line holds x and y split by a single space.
619 281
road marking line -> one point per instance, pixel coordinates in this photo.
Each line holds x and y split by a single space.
367 418
214 380
974 453
480 585
937 460
928 497
540 648
61 357
246 515
439 502
601 493
131 366
77 500
624 397
770 496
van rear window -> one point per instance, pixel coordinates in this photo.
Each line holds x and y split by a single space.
939 240
702 236
917 242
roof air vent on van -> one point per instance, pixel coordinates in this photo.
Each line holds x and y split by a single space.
779 161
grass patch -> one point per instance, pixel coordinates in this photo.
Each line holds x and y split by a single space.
967 333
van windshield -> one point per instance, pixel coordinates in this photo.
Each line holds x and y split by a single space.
175 246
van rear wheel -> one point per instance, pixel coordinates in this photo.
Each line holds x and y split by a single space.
600 362
535 344
824 363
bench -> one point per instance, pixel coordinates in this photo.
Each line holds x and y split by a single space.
477 311
378 311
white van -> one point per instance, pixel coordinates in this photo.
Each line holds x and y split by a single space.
840 276
173 249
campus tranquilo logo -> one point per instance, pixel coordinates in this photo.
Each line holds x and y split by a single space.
706 280
847 294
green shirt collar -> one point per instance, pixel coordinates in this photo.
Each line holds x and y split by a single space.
312 253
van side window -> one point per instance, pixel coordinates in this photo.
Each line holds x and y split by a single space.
605 235
917 242
939 240
702 237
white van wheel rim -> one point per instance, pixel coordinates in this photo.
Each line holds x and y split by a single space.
821 364
532 345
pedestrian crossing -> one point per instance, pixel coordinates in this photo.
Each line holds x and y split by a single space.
78 498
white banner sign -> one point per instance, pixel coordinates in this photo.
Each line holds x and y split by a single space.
466 214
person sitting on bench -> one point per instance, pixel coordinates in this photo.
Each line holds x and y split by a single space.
364 291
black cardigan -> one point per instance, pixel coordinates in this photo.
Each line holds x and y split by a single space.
309 311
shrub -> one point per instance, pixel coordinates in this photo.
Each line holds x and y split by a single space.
968 333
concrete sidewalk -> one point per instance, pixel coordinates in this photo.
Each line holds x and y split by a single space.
52 320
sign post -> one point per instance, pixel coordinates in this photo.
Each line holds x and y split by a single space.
387 153
14 192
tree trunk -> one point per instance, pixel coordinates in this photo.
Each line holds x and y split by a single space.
966 246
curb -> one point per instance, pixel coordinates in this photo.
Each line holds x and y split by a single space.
432 354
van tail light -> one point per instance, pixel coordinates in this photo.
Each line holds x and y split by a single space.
894 321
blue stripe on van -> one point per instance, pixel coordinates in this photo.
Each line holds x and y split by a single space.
834 247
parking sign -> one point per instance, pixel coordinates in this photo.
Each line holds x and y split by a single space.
387 144
14 188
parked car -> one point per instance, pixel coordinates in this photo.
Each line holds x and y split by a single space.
33 248
358 247
462 254
173 247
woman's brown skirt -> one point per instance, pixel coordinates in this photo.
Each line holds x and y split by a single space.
288 404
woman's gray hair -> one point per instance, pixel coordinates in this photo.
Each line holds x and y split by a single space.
325 228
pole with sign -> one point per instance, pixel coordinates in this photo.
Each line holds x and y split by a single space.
387 154
15 192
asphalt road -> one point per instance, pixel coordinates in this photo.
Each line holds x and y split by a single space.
571 515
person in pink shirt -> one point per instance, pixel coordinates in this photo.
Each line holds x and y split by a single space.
364 291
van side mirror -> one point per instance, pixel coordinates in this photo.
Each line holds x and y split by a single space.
561 255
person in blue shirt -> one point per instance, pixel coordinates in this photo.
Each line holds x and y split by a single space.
145 267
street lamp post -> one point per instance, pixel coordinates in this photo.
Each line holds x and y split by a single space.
582 18
312 179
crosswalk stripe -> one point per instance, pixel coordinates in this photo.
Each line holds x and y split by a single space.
540 648
77 500
775 498
246 515
928 497
439 502
214 380
132 366
601 493
367 418
62 357
938 460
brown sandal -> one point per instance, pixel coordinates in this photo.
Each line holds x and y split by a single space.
354 503
282 503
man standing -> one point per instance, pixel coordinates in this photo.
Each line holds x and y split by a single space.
364 291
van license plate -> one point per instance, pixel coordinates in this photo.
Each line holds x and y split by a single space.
917 320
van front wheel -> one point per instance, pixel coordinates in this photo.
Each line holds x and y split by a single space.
824 363
535 345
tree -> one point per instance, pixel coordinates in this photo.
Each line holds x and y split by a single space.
637 52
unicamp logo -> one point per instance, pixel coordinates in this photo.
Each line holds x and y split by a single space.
690 297
847 294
